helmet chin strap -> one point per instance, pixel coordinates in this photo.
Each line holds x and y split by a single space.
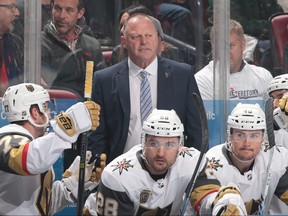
246 162
230 149
44 125
145 160
142 155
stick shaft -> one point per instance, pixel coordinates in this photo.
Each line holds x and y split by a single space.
204 148
271 139
84 140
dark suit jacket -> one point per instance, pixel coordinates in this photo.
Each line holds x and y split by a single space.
176 83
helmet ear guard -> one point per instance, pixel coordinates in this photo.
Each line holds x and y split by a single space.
17 100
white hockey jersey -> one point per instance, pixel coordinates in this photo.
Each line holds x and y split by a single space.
252 182
126 187
281 138
26 173
277 206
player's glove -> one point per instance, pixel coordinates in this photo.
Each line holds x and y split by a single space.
97 171
71 176
78 118
280 119
283 104
228 202
89 206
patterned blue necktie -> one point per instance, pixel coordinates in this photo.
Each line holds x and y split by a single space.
145 96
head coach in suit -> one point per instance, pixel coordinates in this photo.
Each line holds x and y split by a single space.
117 90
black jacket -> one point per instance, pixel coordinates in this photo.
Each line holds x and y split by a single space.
62 67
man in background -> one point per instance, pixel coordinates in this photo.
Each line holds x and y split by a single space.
65 49
11 46
247 81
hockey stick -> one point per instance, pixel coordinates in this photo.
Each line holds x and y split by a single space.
204 148
271 140
82 164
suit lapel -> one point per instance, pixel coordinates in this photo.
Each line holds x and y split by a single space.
122 85
165 78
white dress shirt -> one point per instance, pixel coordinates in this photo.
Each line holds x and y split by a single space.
135 125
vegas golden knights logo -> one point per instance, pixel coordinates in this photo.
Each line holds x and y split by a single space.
145 194
30 88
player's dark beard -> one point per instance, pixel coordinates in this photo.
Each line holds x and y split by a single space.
155 177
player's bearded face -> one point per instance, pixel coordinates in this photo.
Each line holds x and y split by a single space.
246 144
160 153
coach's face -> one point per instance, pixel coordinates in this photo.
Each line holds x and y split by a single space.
141 40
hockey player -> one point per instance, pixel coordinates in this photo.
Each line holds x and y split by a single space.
243 160
276 89
27 155
150 179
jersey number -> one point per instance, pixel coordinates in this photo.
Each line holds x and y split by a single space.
106 206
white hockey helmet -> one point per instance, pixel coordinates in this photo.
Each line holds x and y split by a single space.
164 123
17 100
278 83
247 117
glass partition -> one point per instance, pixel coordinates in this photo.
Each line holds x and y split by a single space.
186 34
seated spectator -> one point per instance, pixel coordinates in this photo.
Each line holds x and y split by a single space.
11 47
65 49
46 18
246 81
253 15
